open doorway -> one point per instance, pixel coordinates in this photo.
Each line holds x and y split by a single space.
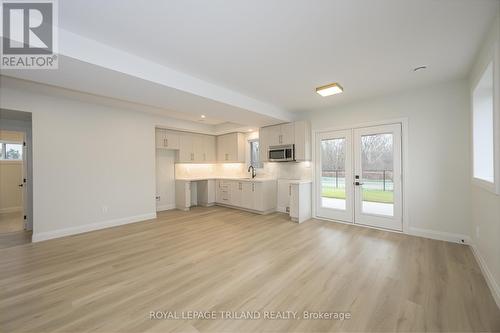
16 221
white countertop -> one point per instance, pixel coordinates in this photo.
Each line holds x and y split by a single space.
299 181
294 181
258 180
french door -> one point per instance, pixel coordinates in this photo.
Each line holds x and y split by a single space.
359 176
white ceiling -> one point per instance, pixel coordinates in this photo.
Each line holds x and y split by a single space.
279 51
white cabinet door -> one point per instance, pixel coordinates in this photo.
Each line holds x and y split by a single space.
160 138
274 135
287 134
247 195
199 148
171 140
294 201
302 140
236 193
186 151
264 144
231 148
258 196
283 195
167 139
209 149
222 141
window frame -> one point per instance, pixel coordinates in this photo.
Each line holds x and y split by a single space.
494 186
260 164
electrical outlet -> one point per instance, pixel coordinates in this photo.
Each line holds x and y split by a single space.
105 209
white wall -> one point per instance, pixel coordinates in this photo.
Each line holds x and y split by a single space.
485 227
438 190
93 165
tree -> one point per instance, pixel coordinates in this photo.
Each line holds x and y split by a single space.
12 154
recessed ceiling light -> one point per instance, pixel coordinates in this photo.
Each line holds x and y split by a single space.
203 116
419 68
250 130
330 89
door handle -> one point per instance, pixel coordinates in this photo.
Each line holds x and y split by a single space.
21 185
358 183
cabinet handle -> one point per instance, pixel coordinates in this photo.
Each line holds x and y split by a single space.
226 156
166 142
281 138
192 156
290 190
253 187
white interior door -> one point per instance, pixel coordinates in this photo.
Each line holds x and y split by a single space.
165 179
334 172
377 173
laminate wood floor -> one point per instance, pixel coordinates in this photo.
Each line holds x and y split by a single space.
11 222
219 259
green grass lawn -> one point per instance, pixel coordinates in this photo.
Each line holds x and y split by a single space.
368 195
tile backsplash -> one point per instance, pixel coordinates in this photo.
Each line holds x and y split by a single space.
288 170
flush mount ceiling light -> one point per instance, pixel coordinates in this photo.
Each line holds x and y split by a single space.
330 89
203 116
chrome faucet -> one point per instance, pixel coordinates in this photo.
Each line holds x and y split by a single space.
253 171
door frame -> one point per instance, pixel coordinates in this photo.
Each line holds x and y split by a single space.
25 127
404 167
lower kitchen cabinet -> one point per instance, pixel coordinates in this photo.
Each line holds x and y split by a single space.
258 196
294 197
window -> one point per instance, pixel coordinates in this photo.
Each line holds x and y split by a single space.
254 154
11 151
482 128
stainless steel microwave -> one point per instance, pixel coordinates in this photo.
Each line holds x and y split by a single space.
281 153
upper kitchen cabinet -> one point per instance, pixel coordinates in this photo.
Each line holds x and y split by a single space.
279 134
297 133
186 148
231 148
196 148
166 139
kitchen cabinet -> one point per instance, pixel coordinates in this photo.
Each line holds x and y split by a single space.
222 194
294 197
287 132
186 148
236 193
209 149
231 148
297 133
196 148
255 195
166 139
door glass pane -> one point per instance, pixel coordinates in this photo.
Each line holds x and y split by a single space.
13 151
333 193
377 174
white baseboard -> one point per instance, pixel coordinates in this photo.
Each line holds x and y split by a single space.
38 237
11 209
165 207
440 235
488 276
